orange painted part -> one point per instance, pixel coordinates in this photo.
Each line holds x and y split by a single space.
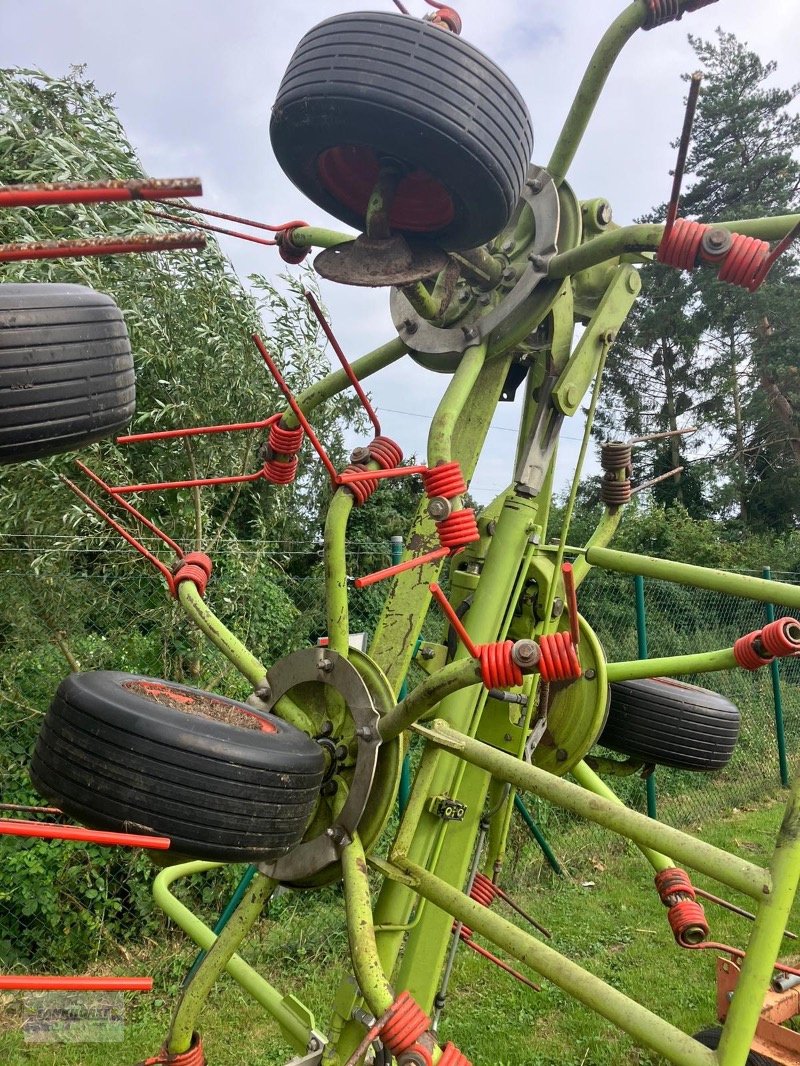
772 1038
21 983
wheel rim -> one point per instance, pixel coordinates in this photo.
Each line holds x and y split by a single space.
421 203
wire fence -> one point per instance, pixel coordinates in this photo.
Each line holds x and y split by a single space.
69 906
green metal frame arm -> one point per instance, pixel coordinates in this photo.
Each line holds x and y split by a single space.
746 877
337 381
318 237
297 1031
195 994
603 534
646 1027
430 692
646 237
456 396
369 973
592 782
232 648
703 577
600 65
703 662
335 545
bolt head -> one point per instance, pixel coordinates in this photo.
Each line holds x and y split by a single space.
535 184
427 653
590 674
359 455
439 508
507 246
604 213
509 274
717 239
409 326
538 262
326 665
558 607
526 654
562 755
470 333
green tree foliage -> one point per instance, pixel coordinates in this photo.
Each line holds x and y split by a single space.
698 351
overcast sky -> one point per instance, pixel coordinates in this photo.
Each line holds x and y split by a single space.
195 81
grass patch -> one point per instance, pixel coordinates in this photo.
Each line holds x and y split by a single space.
615 927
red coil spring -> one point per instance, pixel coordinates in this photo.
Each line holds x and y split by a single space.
445 480
193 1057
681 247
288 251
195 567
498 669
745 263
281 473
360 490
285 441
747 654
451 1056
776 638
686 917
405 1024
385 452
483 891
458 529
559 661
660 12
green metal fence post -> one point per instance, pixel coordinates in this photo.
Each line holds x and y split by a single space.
404 791
769 611
641 637
538 836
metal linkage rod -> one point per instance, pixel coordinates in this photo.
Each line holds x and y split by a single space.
70 249
213 229
236 218
683 151
48 831
40 194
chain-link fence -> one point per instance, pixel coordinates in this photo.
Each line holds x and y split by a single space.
64 906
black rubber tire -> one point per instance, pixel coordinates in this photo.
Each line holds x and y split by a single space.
114 758
665 721
710 1038
407 90
66 370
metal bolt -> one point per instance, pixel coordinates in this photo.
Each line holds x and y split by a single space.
573 395
470 333
507 245
313 1045
330 788
562 755
263 690
427 653
558 607
364 732
509 274
604 213
411 1058
717 241
610 336
440 508
526 654
342 752
358 1014
464 296
409 326
535 184
484 299
326 728
634 284
538 262
326 665
590 674
491 529
359 455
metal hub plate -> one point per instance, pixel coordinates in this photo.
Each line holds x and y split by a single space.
372 262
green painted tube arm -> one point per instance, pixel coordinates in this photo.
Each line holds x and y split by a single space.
318 237
338 381
704 662
457 393
454 676
232 648
188 1008
602 536
592 84
369 973
297 1031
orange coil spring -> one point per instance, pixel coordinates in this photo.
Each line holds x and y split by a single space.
459 529
686 917
660 12
193 1057
385 452
281 473
445 480
745 263
195 568
361 490
451 1056
406 1023
288 251
681 247
559 661
776 639
285 441
498 669
746 653
483 890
